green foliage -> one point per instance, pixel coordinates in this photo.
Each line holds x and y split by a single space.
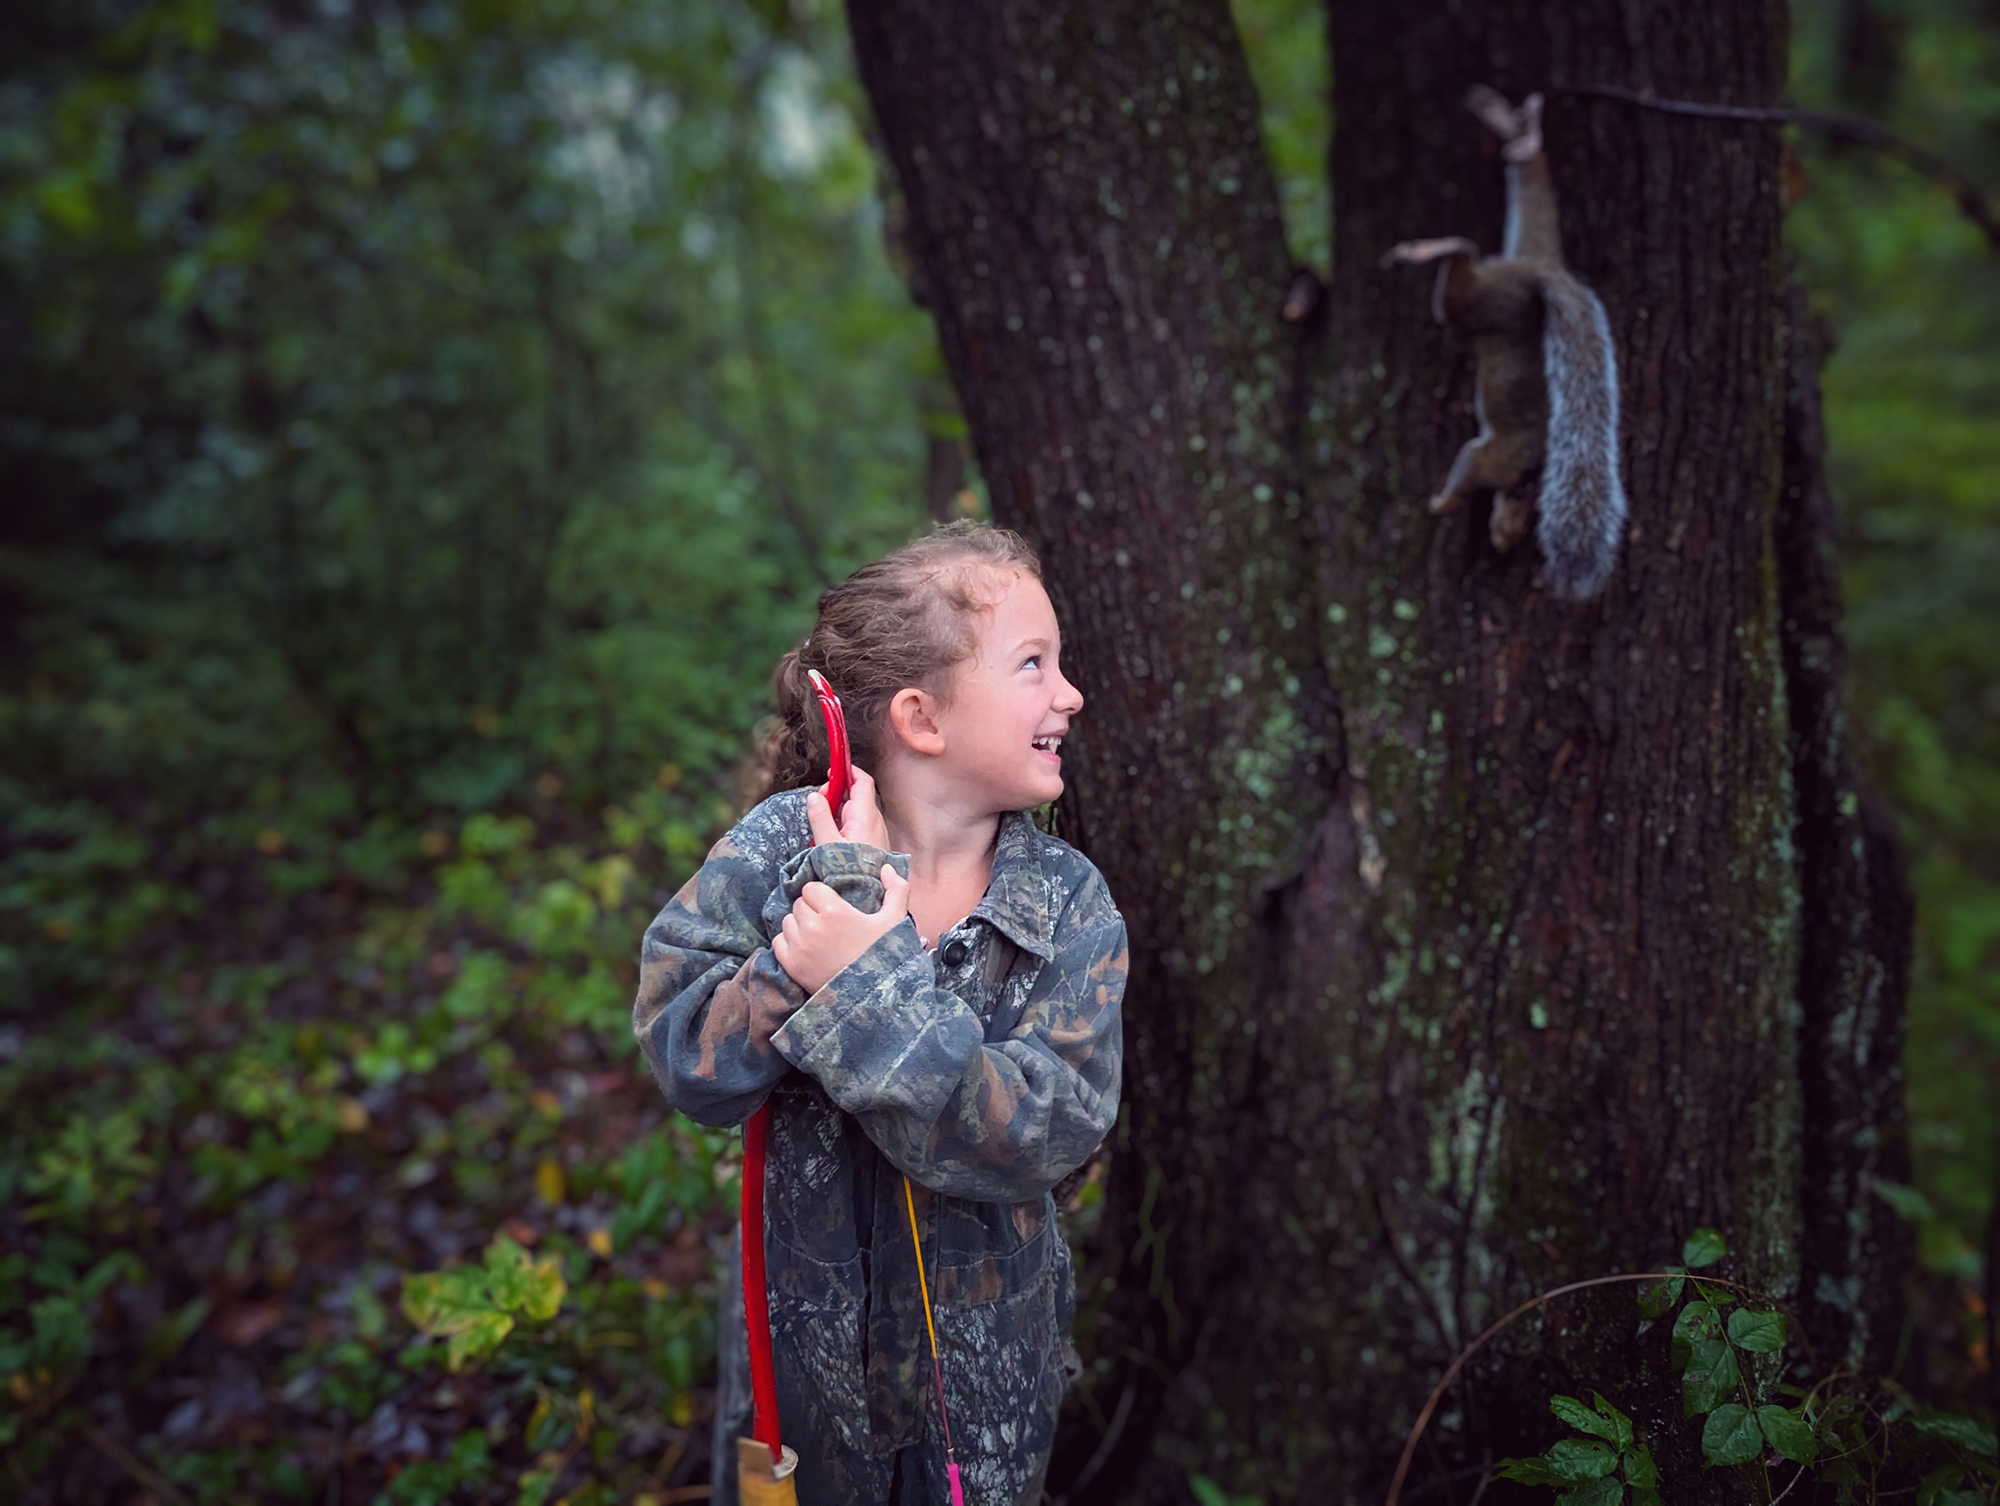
452 347
425 426
1704 1247
1912 294
1588 1472
1207 1493
473 1308
1844 1430
1289 60
94 1171
1710 1335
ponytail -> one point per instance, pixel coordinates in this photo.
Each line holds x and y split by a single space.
791 746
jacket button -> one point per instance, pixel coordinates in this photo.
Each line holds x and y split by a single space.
955 952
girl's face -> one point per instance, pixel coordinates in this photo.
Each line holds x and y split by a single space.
1010 705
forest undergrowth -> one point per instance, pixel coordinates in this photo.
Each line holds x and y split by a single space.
302 1089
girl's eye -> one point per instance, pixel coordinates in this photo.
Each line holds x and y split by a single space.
1034 659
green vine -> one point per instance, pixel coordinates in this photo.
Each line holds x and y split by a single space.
1843 1431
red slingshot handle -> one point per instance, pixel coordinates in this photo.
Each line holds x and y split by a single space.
756 1287
839 766
756 1290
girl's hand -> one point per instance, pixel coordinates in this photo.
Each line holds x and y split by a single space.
824 933
861 821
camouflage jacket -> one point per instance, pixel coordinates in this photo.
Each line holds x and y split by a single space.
986 1069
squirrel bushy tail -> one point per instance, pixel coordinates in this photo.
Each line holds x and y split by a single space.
1548 372
1582 503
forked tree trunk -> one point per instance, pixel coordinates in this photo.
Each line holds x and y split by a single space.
1467 923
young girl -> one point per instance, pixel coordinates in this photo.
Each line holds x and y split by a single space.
932 990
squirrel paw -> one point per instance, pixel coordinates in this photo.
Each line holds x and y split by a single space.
1520 129
1412 253
1511 517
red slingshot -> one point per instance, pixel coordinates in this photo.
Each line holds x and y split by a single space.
764 1468
756 1289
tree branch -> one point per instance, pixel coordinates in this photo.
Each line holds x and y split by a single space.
1971 201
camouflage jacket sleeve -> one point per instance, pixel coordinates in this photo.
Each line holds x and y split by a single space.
1000 1121
710 992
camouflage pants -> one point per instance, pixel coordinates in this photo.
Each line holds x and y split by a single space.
908 1477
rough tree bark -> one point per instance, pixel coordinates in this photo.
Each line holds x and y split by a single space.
1467 922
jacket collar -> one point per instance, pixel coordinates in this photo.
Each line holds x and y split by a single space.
1017 896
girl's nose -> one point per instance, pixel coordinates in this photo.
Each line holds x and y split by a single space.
1069 700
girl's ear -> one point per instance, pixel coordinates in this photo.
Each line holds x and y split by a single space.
913 718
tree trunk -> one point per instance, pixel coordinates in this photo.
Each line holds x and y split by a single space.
1466 921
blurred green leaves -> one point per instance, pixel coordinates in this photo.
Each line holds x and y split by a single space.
474 1308
480 388
1912 390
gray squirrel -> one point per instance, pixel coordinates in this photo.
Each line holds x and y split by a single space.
1547 389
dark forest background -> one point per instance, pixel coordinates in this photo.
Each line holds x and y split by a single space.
421 427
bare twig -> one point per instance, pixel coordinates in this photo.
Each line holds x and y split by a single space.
1492 1329
1799 1475
1971 200
147 1479
1110 1441
1486 1467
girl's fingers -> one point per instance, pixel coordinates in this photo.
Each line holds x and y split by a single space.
862 820
820 816
895 894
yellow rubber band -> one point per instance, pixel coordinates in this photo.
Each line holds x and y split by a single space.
923 1286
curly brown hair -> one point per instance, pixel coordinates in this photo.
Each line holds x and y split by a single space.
906 620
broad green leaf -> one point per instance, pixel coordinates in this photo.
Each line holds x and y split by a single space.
1698 1321
1640 1470
432 1302
1608 1491
520 1284
1940 1486
1579 1459
1207 1492
1657 1301
1645 1495
1790 1434
1533 1471
1621 1425
1760 1333
457 1307
1580 1417
1711 1376
1703 1247
1962 1431
545 1289
479 1335
1731 1435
